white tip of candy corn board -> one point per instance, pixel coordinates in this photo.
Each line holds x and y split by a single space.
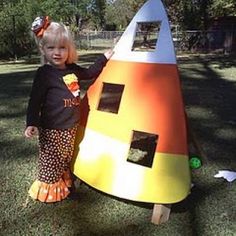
152 11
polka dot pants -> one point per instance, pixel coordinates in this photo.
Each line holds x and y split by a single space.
55 153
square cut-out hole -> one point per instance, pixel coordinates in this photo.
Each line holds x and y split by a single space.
110 97
142 148
146 36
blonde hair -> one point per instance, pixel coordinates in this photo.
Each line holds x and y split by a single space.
58 32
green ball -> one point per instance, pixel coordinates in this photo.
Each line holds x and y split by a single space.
195 162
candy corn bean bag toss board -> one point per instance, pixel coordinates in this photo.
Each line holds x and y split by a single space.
135 143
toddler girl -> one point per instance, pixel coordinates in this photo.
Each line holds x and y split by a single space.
53 110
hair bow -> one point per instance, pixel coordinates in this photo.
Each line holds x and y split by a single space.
40 24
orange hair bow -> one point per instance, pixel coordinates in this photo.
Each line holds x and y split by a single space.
40 24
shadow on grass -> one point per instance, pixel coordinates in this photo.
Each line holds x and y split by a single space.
23 149
15 85
210 101
14 92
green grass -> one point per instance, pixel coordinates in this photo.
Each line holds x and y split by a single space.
209 90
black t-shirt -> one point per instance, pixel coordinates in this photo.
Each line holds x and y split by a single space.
56 94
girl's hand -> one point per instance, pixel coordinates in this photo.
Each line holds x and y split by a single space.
30 131
108 54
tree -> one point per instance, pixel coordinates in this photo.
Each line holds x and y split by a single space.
189 14
15 37
120 12
16 17
59 10
223 8
90 14
98 13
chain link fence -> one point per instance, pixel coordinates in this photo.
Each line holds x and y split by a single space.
97 39
184 41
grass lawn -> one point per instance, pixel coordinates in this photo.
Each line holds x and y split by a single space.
209 90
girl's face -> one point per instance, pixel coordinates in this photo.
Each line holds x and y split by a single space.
56 53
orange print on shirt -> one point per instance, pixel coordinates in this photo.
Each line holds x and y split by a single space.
72 84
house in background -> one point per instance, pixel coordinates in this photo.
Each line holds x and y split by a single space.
222 34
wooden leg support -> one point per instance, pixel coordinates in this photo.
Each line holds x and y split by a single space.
160 213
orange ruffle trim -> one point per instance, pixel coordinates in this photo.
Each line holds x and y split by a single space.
51 192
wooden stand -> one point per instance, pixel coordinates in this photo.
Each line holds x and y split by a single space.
160 213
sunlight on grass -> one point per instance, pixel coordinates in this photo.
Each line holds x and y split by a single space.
201 113
228 73
226 133
17 67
